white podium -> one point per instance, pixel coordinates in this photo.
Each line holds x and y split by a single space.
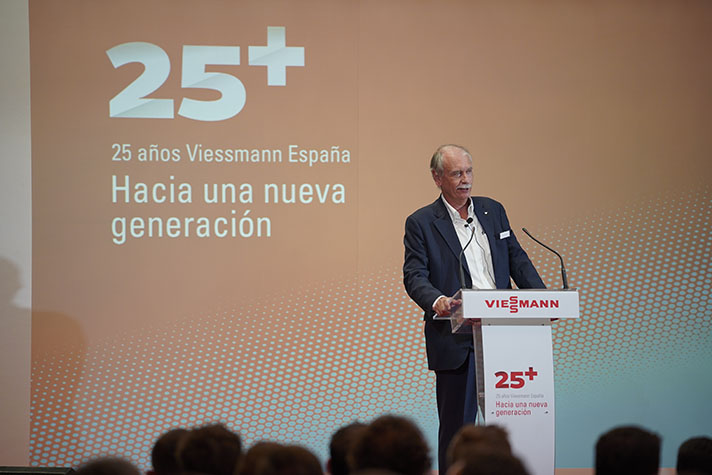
515 368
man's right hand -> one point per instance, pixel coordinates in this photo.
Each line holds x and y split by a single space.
444 305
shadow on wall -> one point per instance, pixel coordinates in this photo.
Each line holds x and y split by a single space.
14 366
58 363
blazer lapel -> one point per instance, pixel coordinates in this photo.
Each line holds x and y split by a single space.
443 224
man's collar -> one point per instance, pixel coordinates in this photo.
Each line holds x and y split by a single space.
454 214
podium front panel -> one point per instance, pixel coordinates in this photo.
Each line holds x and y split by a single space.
519 390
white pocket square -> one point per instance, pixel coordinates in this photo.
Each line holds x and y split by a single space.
504 234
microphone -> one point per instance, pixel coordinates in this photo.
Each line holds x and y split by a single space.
563 269
459 257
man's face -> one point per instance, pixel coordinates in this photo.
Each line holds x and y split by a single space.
455 181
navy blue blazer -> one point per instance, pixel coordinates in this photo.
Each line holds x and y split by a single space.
431 269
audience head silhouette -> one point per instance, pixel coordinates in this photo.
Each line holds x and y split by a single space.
340 445
487 460
471 437
694 457
164 460
391 443
628 450
108 466
271 458
209 450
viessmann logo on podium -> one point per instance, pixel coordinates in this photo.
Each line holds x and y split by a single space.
521 303
514 303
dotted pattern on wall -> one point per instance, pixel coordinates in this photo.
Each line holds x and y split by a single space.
296 369
644 278
293 370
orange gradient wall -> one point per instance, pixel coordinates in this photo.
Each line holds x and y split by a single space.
589 121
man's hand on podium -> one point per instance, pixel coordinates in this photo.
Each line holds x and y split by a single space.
443 305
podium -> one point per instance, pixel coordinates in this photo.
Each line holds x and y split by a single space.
514 363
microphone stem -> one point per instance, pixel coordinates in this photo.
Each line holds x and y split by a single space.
563 269
459 257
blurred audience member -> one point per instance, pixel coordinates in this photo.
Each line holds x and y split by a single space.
270 458
471 437
108 466
257 460
341 444
164 460
210 450
296 460
375 471
391 443
694 457
486 460
628 451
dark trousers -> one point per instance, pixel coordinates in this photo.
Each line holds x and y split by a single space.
457 404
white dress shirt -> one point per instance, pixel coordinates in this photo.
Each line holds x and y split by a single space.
477 254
